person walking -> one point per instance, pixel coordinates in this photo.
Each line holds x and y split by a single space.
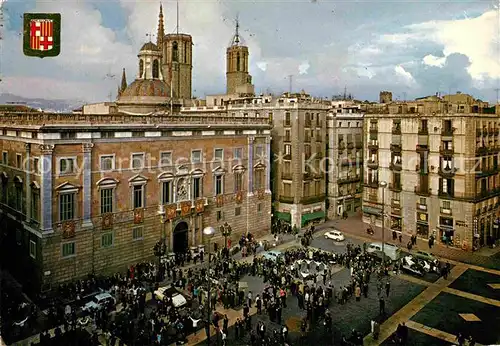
357 293
387 288
381 306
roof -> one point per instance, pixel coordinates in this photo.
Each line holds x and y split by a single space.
150 46
147 87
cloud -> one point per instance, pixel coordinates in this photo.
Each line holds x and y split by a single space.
420 51
432 60
404 75
304 67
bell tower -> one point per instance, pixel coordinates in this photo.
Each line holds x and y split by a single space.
177 60
238 80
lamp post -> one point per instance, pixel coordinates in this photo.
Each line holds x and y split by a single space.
226 231
209 232
383 185
160 248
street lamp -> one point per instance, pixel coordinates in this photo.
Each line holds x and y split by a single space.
160 248
209 232
383 185
226 231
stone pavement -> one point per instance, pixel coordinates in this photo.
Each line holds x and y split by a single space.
354 226
406 313
452 339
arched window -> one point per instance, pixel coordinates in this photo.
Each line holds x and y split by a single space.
141 68
175 52
156 69
238 62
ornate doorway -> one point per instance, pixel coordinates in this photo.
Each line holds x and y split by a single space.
181 237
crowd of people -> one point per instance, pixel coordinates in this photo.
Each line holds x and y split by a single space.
302 273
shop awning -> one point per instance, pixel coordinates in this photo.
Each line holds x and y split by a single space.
446 228
372 211
283 216
312 216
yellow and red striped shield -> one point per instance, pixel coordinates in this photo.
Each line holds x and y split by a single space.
42 34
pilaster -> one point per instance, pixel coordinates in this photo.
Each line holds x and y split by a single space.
46 188
27 187
87 185
268 164
251 139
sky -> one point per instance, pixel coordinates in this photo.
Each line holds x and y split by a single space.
412 48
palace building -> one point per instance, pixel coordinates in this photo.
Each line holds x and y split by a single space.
94 190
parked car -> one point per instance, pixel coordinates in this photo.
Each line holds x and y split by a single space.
409 264
334 235
392 252
272 255
99 302
178 300
425 256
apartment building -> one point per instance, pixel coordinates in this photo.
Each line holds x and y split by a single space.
439 159
93 193
345 153
299 158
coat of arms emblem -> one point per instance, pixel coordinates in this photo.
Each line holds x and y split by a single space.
200 205
42 34
138 215
185 208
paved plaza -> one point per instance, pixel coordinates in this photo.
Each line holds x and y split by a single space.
435 309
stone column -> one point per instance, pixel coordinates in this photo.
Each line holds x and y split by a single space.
46 188
170 232
194 219
87 185
268 164
250 165
27 187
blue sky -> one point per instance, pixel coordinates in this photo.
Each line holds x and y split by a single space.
412 48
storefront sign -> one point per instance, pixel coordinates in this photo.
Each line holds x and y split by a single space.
422 217
461 224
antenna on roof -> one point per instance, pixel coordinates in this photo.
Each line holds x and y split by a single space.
290 80
177 19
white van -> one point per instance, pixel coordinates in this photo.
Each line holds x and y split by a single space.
392 252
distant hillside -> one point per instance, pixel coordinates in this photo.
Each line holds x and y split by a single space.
46 105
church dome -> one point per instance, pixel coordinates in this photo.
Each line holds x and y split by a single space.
150 46
147 87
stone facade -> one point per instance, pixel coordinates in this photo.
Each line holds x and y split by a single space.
345 153
439 158
299 147
56 245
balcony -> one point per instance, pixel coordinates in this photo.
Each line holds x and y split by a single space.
373 184
446 194
286 199
396 130
481 151
494 149
395 203
395 187
396 166
396 147
446 150
348 180
486 172
485 194
307 176
424 191
373 145
351 162
447 171
420 206
372 164
447 131
421 148
445 211
423 131
313 199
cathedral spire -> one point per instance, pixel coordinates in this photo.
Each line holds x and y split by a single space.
123 84
161 28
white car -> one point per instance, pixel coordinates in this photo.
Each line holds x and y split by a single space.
334 235
178 299
99 302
